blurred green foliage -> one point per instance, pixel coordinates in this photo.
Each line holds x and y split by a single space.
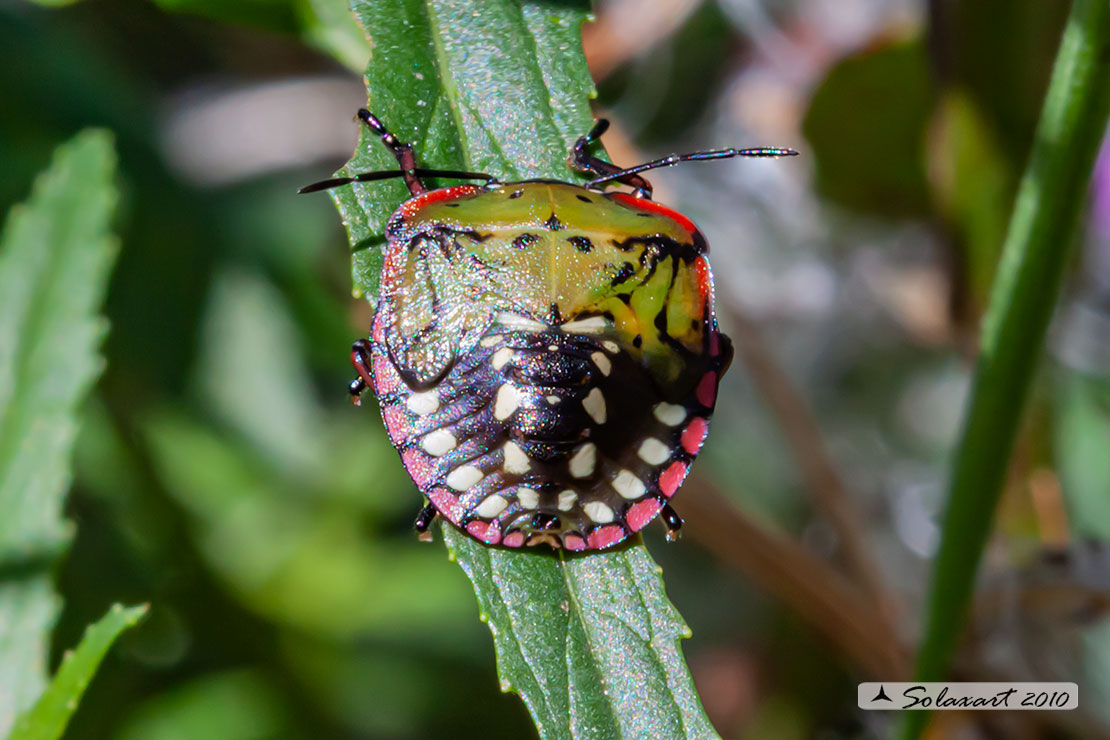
48 717
56 253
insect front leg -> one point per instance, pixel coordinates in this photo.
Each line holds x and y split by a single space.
360 358
580 159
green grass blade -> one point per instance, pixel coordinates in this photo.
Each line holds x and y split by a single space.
1038 243
501 86
48 718
55 257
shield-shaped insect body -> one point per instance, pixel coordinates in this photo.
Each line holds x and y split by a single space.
545 354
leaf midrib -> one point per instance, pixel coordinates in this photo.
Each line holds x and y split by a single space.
595 649
448 86
506 599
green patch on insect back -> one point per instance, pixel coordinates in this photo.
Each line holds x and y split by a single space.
557 208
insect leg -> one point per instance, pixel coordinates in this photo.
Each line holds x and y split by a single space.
409 172
360 358
672 521
580 159
401 150
543 522
423 521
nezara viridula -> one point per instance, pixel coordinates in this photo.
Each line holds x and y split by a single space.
545 353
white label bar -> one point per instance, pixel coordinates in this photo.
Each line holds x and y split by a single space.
891 695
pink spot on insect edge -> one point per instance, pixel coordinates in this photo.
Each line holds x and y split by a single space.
446 503
418 466
488 532
640 514
672 478
694 435
377 330
396 423
707 390
606 536
386 377
513 539
393 268
574 543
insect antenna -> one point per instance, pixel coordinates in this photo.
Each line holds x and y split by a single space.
623 174
390 174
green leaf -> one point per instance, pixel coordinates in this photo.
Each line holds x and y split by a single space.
872 158
1036 253
498 86
501 86
590 642
55 257
47 720
329 26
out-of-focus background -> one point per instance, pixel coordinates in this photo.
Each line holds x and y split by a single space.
223 476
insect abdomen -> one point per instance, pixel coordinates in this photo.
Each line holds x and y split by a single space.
540 435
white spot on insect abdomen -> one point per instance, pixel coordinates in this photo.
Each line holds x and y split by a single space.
599 512
516 461
464 478
424 403
654 452
594 403
602 363
592 325
628 485
439 442
491 506
669 413
501 358
529 498
506 402
584 460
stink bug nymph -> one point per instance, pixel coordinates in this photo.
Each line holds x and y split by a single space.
545 353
